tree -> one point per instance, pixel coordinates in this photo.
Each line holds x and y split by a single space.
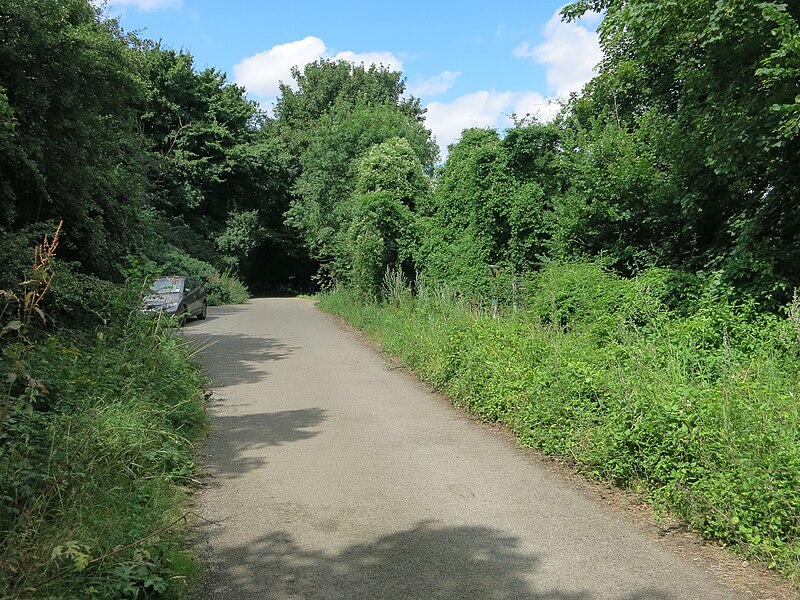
491 204
70 91
325 84
621 202
219 171
335 113
204 141
380 231
721 77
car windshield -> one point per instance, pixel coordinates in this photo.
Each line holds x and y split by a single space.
165 285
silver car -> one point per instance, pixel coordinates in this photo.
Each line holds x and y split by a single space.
177 295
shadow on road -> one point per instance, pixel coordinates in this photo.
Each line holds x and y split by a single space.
428 562
237 440
238 358
214 312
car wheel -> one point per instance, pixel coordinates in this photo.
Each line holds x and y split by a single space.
183 315
203 311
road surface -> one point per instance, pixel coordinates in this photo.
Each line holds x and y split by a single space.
335 475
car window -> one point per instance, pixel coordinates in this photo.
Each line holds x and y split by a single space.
166 285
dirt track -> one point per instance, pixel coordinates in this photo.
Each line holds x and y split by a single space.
336 475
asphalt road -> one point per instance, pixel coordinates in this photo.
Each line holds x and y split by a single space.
336 475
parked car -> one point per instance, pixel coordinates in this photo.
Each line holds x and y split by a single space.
177 295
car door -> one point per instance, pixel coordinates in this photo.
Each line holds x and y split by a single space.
191 295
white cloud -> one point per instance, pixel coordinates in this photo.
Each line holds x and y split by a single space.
484 109
434 86
570 51
146 5
524 50
480 109
260 74
535 105
387 59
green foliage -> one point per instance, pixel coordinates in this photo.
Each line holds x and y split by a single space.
362 151
694 407
225 288
70 94
208 156
219 173
394 168
490 206
96 443
331 163
379 228
781 68
222 287
379 238
241 235
620 204
324 84
351 132
718 81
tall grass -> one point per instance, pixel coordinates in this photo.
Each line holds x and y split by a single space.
696 407
96 448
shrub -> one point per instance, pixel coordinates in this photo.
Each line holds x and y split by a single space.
96 431
222 287
226 288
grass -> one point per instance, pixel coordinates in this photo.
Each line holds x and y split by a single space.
695 407
96 448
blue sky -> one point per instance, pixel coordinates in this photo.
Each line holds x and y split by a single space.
471 66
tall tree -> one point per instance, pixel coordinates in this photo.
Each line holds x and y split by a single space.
491 204
69 93
204 140
338 112
721 79
219 172
325 84
380 232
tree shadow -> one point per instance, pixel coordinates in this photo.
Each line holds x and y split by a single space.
214 312
428 561
238 441
232 359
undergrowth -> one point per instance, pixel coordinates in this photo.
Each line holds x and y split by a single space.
100 409
691 401
222 287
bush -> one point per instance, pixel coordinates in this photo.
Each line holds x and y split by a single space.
96 432
226 288
222 287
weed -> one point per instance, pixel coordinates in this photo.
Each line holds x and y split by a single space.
95 444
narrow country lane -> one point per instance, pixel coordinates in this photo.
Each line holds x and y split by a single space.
337 476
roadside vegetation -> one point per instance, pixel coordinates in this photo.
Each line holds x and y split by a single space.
695 409
642 253
99 415
115 166
642 249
